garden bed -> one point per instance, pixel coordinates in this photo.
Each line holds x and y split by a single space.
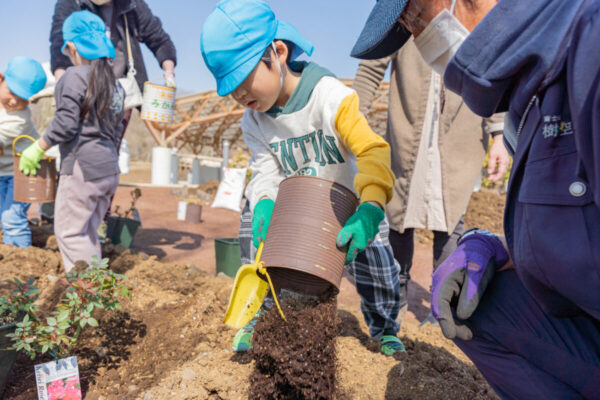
169 341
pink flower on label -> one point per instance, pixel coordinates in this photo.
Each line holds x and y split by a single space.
56 390
72 394
73 389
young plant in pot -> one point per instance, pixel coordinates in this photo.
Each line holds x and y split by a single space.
57 334
121 227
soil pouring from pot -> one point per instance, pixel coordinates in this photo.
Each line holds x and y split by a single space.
296 359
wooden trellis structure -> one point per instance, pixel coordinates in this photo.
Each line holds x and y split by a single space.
202 121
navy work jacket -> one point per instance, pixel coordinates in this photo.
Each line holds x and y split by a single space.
544 68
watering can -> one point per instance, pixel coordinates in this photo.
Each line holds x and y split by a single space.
249 292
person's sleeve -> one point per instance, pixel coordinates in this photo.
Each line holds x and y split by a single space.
62 10
584 97
494 124
266 170
374 180
369 76
152 34
66 123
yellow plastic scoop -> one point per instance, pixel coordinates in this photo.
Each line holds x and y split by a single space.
249 292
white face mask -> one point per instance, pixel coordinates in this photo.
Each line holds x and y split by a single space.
101 2
440 40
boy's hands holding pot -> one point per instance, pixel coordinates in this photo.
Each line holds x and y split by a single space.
360 229
460 281
261 218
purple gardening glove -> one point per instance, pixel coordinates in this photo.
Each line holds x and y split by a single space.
463 276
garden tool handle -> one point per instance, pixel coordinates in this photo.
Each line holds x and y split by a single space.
15 142
259 253
263 271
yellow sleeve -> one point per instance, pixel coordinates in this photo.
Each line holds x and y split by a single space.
374 180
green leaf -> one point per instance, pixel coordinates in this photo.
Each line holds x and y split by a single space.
83 322
51 321
92 322
63 315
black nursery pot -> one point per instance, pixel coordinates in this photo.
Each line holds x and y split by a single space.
121 230
7 357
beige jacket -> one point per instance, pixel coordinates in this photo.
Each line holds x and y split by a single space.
463 136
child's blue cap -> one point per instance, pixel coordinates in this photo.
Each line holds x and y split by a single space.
235 36
24 77
88 32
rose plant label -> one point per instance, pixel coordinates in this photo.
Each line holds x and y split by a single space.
58 380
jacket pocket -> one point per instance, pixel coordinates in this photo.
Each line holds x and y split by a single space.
553 181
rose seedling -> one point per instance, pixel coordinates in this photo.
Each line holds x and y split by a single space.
96 287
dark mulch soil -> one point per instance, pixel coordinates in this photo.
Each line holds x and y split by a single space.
296 359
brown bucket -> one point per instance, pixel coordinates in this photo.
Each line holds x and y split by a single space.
39 188
300 250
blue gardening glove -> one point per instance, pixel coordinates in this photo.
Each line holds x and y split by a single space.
463 276
261 220
360 230
30 159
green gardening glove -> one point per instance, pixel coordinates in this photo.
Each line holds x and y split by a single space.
261 220
30 159
360 229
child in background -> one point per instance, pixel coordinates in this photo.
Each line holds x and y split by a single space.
89 110
23 78
301 120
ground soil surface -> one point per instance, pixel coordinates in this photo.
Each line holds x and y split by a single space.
169 341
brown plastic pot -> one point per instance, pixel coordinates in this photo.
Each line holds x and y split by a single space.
39 188
193 213
300 250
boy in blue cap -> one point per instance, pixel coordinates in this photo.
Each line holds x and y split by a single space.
301 120
23 78
86 126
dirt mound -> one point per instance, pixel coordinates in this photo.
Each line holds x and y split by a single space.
169 342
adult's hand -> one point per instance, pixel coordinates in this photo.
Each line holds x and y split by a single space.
464 276
498 160
168 67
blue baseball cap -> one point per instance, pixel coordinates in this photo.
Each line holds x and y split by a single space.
88 32
24 77
235 36
382 34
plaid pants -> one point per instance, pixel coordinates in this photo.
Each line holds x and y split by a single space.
374 273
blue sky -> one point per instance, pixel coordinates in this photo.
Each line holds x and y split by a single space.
332 26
